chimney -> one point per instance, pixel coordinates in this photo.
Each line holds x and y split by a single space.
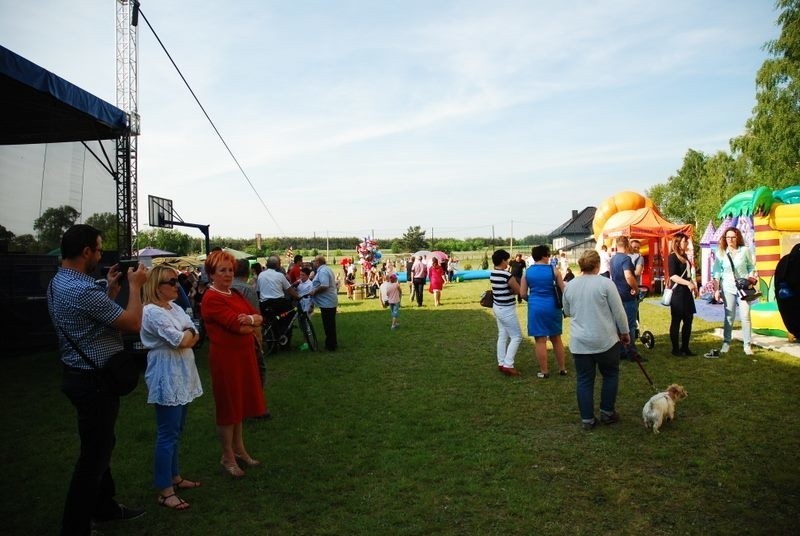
574 214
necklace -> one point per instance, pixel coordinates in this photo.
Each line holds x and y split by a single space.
227 293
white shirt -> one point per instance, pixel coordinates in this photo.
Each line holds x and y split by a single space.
272 284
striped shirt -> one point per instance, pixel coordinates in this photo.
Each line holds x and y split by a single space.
500 289
81 308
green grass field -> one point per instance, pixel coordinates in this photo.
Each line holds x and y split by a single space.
415 431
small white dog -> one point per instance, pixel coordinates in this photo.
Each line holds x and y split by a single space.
662 407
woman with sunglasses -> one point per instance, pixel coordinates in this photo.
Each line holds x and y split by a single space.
734 260
171 377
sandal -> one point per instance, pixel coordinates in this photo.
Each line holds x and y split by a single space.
185 484
247 460
542 375
180 505
231 469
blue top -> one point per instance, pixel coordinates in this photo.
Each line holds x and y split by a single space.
81 307
328 298
619 263
171 375
544 317
742 261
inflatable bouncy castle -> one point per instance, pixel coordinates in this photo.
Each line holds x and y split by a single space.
776 223
633 215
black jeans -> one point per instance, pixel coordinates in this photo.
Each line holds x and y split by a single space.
329 325
419 287
91 490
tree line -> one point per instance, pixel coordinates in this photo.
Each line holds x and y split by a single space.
766 154
50 226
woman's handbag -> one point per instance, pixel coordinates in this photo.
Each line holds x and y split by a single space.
487 298
744 285
666 298
559 292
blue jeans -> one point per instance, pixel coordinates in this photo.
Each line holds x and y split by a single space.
170 421
632 313
731 302
608 364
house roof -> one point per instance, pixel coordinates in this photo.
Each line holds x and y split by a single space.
581 224
576 245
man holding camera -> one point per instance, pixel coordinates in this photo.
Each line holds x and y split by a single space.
87 318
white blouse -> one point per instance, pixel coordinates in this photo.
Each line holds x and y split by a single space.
171 375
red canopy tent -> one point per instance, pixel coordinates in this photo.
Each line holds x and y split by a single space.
650 227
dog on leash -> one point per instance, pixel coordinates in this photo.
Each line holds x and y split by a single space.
661 407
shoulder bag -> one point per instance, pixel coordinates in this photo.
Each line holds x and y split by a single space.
119 376
559 292
744 287
666 298
487 298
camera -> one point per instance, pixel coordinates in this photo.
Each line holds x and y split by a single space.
126 264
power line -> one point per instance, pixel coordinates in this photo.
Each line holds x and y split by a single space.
241 169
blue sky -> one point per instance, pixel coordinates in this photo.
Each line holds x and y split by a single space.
357 116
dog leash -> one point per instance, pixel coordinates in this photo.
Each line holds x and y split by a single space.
638 360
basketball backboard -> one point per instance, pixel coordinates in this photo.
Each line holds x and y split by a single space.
160 211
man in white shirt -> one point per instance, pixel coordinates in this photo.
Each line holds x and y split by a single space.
273 286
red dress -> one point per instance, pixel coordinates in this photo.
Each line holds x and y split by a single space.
234 369
436 275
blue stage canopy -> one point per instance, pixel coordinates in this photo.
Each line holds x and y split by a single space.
36 106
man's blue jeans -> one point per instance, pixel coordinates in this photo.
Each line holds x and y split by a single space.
585 366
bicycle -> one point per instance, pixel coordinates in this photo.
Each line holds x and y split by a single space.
273 337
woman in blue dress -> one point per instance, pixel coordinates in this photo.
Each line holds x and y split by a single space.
545 319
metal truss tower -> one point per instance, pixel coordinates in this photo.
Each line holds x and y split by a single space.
127 100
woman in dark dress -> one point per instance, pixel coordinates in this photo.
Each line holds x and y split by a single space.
684 290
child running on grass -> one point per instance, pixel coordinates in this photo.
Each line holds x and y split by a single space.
391 294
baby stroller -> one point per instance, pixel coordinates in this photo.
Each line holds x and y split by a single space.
645 336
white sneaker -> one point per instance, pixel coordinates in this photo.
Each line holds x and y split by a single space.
748 350
725 348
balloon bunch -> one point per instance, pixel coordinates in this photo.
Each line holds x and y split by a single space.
368 253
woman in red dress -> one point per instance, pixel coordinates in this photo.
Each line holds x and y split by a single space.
231 322
436 275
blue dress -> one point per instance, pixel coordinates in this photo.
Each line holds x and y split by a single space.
544 317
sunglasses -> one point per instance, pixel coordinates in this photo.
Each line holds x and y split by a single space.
171 282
